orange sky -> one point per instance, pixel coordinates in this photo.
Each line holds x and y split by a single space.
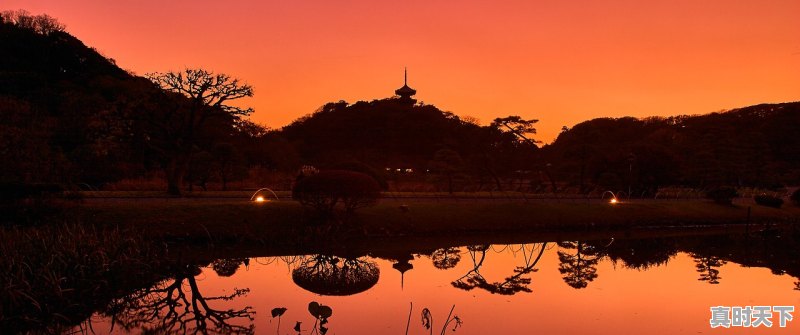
561 62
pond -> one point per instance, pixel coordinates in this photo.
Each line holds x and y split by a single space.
616 284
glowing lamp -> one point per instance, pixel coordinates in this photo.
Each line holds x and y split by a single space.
260 199
613 201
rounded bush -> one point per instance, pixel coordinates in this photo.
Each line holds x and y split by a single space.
327 189
334 276
722 195
768 201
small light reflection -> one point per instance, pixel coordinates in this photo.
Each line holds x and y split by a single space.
260 199
613 201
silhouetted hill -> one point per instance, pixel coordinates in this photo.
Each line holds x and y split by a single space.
53 56
756 145
65 108
70 115
383 132
391 133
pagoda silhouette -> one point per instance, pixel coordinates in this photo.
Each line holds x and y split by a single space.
405 93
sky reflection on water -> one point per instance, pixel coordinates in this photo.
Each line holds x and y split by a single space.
606 287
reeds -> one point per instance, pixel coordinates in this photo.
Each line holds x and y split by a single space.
56 275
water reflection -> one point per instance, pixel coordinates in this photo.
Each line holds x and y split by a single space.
178 306
227 267
517 282
446 258
332 275
708 267
578 263
642 254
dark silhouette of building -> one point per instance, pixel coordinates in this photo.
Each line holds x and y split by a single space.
403 264
405 93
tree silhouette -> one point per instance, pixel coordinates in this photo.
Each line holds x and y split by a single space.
332 275
41 24
518 282
227 267
229 163
209 95
200 170
642 254
447 164
579 268
169 308
446 258
517 126
708 266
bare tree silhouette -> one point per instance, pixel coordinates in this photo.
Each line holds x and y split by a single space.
177 306
209 95
518 282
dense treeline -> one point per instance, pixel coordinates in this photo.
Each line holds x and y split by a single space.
752 146
405 141
70 116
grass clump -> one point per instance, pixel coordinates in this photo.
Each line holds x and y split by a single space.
54 276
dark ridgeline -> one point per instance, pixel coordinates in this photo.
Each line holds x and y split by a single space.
751 146
71 117
398 138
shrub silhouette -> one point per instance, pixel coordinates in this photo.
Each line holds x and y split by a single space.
323 191
722 195
768 200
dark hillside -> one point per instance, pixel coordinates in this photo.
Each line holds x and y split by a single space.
751 146
63 107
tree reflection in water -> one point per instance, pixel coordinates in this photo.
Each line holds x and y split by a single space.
446 258
707 267
579 268
518 282
642 254
177 306
332 275
227 267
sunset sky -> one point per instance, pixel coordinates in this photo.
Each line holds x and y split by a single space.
561 62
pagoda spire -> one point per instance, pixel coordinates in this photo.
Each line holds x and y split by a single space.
405 93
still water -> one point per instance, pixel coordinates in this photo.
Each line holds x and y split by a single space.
611 285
